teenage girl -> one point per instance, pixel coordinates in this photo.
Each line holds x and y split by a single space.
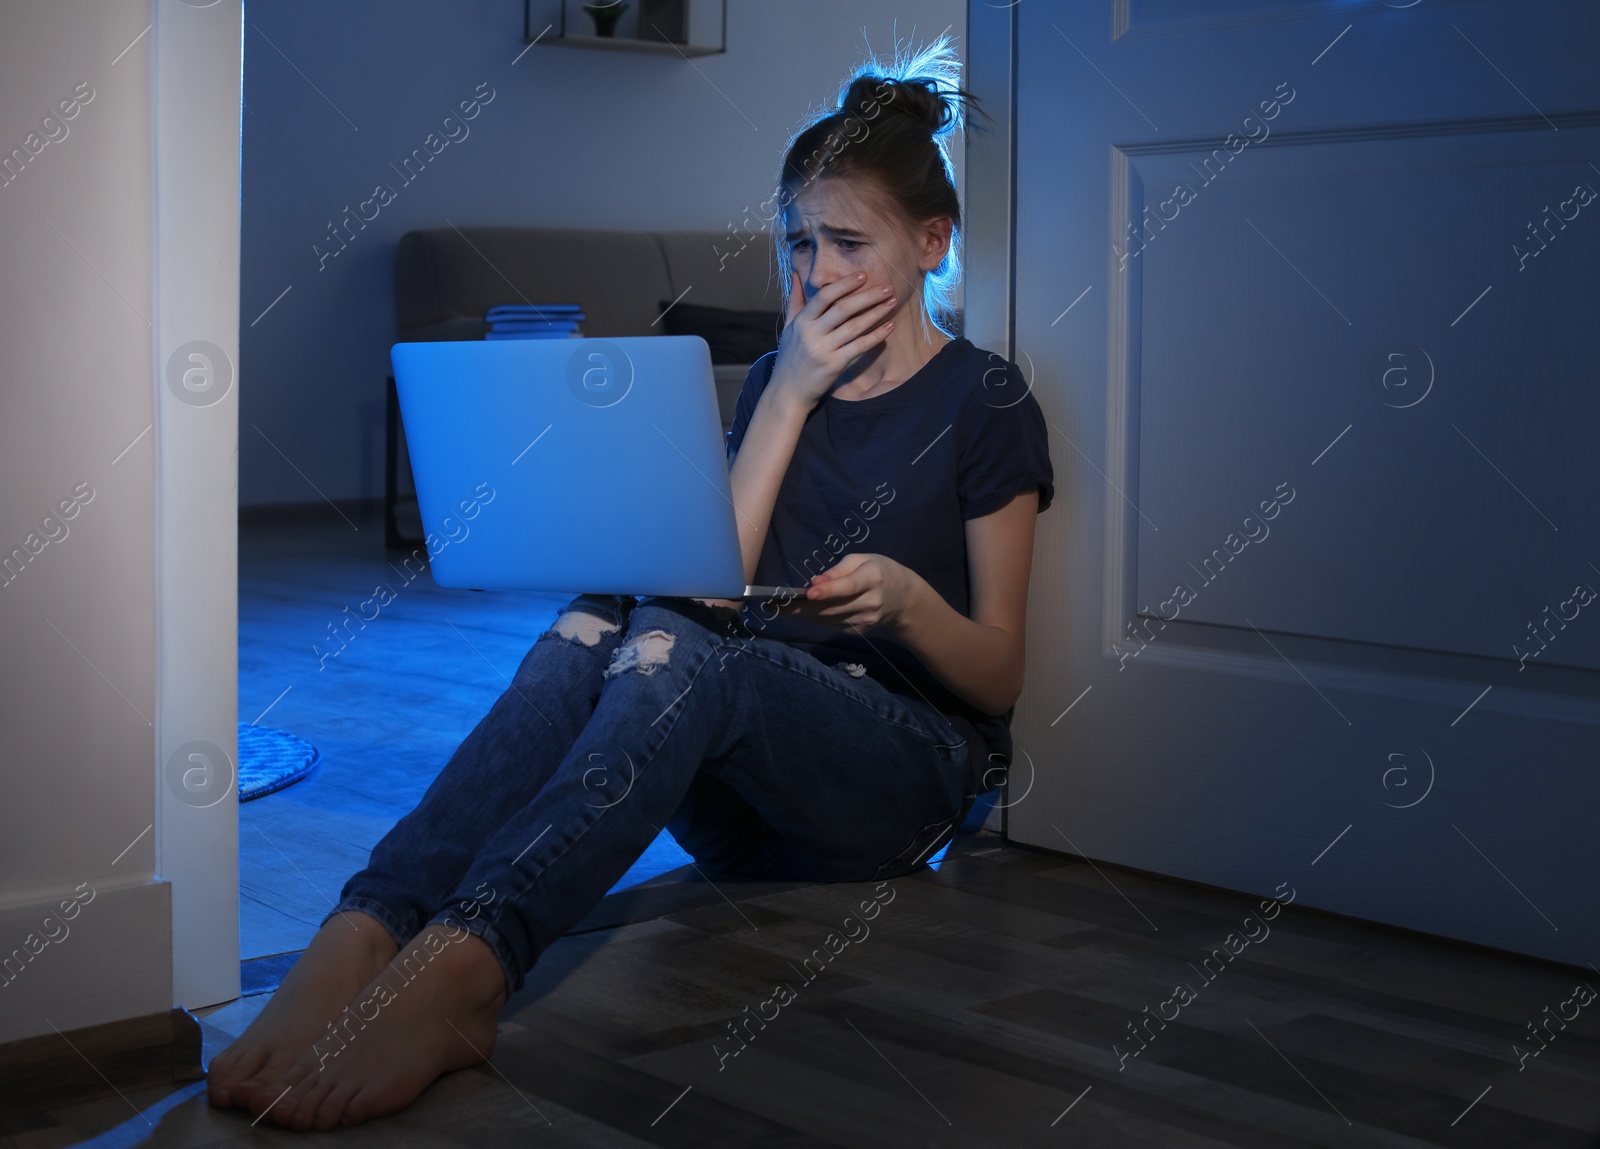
891 469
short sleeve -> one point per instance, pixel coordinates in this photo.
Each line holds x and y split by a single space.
755 381
1003 447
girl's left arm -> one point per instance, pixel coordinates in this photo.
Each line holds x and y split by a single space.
981 658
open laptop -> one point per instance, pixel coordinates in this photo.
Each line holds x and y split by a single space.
573 465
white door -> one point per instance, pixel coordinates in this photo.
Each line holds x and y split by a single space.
1308 294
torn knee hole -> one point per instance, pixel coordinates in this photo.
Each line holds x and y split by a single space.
647 653
581 626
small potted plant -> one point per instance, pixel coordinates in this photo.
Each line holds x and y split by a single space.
606 13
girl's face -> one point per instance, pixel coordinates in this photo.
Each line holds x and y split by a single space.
837 227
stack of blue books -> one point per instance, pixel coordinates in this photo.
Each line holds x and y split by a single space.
530 321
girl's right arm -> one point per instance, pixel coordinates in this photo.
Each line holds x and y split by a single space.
822 336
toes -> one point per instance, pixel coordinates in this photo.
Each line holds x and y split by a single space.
331 1112
247 1092
255 1093
304 1113
265 1082
359 1107
303 1081
220 1069
220 1096
274 1106
229 1070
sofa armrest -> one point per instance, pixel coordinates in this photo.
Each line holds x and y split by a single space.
459 327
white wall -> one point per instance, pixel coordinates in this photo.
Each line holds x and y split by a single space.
571 138
118 240
77 627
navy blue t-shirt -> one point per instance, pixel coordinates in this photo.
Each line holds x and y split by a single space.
898 474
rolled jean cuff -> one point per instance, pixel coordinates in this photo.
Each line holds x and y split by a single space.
400 931
484 931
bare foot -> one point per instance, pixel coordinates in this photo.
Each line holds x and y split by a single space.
347 952
433 1010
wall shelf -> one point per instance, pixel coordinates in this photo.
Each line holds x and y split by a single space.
704 25
628 44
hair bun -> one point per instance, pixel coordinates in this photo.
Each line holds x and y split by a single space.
890 124
917 97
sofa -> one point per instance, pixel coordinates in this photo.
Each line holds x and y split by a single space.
446 278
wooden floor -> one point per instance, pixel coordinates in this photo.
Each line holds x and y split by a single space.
987 1006
386 708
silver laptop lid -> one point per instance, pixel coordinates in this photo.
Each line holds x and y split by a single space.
571 465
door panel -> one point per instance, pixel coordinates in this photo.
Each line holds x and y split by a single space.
1407 532
1307 609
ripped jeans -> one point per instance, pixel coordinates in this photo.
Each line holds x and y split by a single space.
625 718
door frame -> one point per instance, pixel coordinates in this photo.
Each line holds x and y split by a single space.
196 95
989 239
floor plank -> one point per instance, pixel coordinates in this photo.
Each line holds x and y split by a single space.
980 1007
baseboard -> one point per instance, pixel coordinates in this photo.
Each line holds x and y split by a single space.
85 957
317 511
156 1049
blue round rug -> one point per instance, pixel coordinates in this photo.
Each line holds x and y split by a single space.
272 759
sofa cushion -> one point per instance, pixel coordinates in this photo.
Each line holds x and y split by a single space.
716 271
456 327
733 336
446 274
